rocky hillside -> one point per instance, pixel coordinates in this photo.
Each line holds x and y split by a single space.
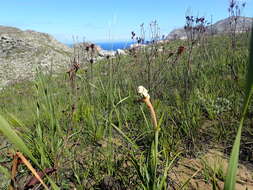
222 26
21 52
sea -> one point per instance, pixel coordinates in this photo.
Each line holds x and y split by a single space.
114 45
111 46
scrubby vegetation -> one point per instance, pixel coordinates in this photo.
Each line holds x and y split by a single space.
90 130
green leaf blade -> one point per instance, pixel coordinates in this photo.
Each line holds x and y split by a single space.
12 136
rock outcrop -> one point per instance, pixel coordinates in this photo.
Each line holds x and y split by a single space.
21 52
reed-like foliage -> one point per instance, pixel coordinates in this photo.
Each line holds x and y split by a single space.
233 163
12 136
99 137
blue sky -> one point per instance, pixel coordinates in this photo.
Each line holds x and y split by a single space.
104 20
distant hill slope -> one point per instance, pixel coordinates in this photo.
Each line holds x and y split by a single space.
22 51
219 27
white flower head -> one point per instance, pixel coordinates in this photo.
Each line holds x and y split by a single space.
142 91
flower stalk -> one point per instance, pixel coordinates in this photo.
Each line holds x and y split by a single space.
143 92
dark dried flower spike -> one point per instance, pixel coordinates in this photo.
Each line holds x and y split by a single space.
92 46
180 50
76 66
232 4
139 40
133 35
170 54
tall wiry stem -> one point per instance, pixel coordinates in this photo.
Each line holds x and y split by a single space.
146 99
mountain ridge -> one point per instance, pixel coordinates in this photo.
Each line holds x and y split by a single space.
22 51
219 27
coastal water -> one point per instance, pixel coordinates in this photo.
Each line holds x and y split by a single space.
114 45
111 45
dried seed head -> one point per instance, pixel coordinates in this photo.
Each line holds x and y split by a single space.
180 50
142 91
133 34
92 46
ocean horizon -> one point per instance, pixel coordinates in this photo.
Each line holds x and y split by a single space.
111 46
114 45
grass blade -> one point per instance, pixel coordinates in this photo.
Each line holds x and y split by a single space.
233 162
12 136
165 173
125 136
